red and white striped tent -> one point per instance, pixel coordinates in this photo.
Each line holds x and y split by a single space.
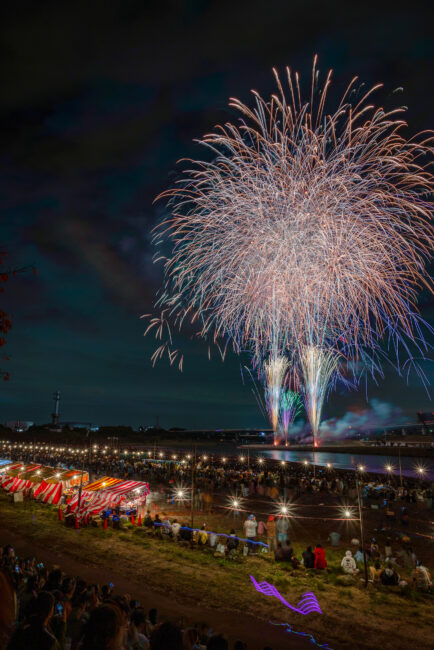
19 485
48 492
111 496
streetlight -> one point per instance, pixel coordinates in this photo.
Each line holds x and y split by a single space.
362 539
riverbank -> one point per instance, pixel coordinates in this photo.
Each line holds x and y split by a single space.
195 585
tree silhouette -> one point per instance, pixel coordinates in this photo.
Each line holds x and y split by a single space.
5 319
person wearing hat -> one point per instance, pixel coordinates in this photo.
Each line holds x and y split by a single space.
250 526
271 533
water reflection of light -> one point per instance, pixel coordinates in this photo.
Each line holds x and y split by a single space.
340 460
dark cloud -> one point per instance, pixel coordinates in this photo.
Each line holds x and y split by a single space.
99 100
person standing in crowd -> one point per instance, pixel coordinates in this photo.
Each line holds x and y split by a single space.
271 533
282 526
250 526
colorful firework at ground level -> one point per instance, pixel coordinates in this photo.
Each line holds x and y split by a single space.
308 233
291 405
274 371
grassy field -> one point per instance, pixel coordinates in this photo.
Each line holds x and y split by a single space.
353 617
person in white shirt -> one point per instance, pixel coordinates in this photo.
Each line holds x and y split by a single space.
176 527
348 564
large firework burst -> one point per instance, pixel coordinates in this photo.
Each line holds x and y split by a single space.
309 229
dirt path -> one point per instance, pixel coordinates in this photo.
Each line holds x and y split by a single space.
255 632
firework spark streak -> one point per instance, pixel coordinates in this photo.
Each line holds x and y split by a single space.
291 406
275 369
318 367
309 229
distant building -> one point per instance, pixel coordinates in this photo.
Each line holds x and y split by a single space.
79 425
19 425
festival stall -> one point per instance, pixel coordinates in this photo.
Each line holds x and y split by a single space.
125 496
43 483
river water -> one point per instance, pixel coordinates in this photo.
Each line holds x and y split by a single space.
372 463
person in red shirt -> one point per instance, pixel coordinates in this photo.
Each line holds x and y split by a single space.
320 559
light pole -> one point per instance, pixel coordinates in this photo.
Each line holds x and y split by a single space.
81 477
193 469
362 537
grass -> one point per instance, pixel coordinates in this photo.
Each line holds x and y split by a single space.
353 617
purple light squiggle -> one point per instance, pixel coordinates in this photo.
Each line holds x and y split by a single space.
307 604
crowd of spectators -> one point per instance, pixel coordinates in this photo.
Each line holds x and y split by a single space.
49 610
214 476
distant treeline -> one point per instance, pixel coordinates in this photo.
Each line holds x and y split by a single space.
111 435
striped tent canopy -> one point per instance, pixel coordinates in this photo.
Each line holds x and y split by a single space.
49 492
68 477
23 471
103 483
111 496
8 466
18 484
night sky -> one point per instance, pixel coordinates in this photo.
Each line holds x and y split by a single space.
99 100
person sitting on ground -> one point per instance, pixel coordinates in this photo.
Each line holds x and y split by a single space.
202 536
358 556
295 561
232 543
166 528
279 554
320 558
308 558
185 534
422 578
348 564
176 527
375 571
148 523
389 577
